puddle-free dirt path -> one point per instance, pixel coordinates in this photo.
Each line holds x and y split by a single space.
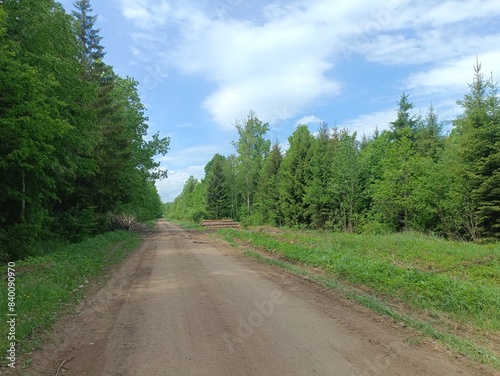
184 305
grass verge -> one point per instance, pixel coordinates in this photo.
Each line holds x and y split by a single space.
49 285
437 285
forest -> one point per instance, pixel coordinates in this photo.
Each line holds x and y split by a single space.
418 175
74 152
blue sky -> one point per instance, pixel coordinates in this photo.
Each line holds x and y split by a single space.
203 64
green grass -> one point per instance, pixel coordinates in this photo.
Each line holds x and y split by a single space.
454 342
50 284
437 281
459 279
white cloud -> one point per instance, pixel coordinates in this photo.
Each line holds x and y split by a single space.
367 123
284 98
283 62
146 14
428 46
188 161
309 119
432 14
420 32
190 156
274 69
452 77
170 188
283 58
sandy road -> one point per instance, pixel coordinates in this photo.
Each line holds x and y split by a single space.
184 305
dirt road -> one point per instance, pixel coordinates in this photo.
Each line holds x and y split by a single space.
185 305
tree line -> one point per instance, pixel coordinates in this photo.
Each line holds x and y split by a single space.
412 176
73 151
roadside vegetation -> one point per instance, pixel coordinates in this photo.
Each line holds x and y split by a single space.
76 161
75 155
408 217
52 282
446 289
419 174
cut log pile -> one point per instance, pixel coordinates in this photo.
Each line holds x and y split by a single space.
220 223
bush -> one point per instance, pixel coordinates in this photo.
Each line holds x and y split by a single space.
374 227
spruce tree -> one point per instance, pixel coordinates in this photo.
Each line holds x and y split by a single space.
479 132
429 137
91 51
392 190
267 198
318 198
404 118
218 201
294 177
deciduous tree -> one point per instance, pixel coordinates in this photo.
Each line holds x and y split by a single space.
252 148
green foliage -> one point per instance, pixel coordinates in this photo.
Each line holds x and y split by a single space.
408 192
405 124
294 176
32 126
48 284
74 131
410 177
429 136
218 200
319 200
457 279
391 194
268 196
347 182
252 150
91 53
478 132
190 205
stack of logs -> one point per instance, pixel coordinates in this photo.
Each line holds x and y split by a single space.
220 223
